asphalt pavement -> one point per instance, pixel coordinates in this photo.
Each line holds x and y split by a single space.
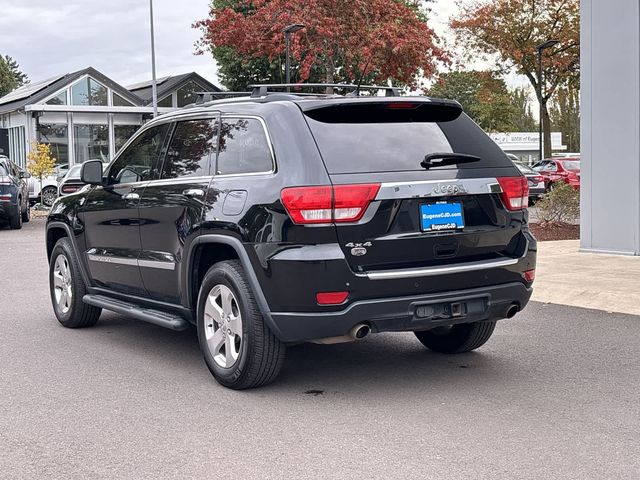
554 394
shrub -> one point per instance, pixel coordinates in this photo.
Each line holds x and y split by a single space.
560 205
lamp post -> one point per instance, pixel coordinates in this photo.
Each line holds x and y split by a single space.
154 85
541 48
287 41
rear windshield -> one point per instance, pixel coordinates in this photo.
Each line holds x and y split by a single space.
573 165
388 147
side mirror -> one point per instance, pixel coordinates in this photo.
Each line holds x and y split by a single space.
91 172
25 175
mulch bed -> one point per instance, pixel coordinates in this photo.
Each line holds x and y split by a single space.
555 231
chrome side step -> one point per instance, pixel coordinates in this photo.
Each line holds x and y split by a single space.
156 317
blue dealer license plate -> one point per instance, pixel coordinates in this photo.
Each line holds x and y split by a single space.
441 216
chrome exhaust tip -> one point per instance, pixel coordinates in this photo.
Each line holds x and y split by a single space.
360 331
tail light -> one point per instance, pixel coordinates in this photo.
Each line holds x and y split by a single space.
515 192
529 276
326 204
69 188
538 178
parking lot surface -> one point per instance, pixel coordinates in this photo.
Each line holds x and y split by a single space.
554 394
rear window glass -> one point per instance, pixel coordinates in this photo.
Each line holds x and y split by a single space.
573 165
384 147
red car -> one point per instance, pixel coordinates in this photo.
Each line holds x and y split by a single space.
562 169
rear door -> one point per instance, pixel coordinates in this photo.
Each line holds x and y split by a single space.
419 217
171 207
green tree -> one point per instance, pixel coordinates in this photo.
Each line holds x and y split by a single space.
565 116
522 119
482 94
10 75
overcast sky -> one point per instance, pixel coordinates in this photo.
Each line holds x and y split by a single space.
52 37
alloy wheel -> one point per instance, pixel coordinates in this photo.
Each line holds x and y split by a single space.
223 326
62 284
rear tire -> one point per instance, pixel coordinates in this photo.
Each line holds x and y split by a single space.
238 347
15 220
48 196
67 288
459 338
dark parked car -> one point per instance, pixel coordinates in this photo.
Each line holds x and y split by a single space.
14 194
278 218
559 170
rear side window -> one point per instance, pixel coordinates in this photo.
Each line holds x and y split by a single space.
243 147
190 150
139 161
401 146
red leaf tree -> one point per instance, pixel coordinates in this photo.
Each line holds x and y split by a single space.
388 39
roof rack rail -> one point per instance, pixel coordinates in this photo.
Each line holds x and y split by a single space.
204 97
262 90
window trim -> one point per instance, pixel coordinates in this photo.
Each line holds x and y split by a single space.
269 143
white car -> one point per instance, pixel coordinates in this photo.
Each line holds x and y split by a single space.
49 186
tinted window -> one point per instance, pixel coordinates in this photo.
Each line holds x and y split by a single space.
190 149
244 147
138 161
383 147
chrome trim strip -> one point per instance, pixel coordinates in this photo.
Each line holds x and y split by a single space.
132 262
433 271
112 259
157 264
438 188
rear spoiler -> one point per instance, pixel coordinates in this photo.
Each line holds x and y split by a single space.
381 110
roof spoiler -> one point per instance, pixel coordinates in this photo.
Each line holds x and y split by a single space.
383 110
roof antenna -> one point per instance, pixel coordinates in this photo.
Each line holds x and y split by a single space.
356 92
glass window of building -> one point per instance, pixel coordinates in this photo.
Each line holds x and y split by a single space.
119 101
244 147
166 102
60 99
89 92
190 150
187 93
57 136
123 133
91 142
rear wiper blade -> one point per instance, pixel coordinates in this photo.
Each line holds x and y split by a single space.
442 159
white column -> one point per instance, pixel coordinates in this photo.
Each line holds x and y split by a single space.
610 126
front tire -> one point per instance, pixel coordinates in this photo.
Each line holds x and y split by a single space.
67 288
459 338
238 347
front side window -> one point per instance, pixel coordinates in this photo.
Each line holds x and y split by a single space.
139 161
243 147
123 133
191 147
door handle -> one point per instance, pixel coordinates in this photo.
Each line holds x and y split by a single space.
193 192
131 196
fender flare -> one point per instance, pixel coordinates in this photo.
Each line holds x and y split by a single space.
246 265
71 236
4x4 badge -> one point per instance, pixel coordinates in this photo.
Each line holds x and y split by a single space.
358 249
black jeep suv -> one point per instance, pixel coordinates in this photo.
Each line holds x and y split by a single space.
280 218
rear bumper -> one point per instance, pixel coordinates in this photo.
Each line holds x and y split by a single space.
412 313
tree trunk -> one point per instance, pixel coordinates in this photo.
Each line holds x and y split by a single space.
546 128
329 72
